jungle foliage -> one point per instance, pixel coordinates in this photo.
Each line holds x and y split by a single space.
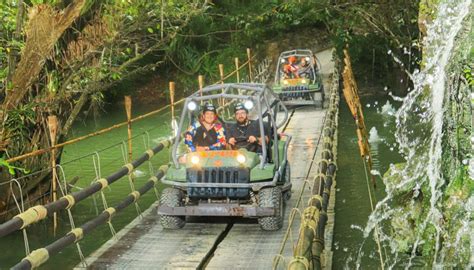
64 57
60 57
107 42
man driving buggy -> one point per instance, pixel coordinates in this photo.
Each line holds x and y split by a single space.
245 133
207 133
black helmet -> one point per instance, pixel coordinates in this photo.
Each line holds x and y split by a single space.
240 106
208 107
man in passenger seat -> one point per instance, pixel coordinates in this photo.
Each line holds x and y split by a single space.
245 133
304 68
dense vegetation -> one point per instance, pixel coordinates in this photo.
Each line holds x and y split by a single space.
63 57
102 49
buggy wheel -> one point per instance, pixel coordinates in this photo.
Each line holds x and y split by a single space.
271 197
172 197
318 98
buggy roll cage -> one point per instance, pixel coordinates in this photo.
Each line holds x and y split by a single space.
297 53
256 92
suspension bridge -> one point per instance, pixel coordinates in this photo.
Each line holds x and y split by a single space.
304 242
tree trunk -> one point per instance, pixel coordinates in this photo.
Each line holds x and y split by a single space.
45 27
13 56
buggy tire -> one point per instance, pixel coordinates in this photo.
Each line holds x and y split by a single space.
287 176
172 197
287 179
271 197
318 99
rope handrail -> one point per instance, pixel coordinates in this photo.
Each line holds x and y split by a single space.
310 243
40 256
39 212
234 72
102 131
312 226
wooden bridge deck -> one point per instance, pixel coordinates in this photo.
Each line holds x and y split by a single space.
219 243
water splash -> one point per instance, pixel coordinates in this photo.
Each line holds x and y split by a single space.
388 109
419 124
374 141
374 136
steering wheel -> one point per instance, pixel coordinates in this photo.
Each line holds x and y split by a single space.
242 142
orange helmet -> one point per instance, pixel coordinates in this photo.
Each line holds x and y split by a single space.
292 59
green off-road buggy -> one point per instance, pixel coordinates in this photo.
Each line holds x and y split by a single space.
298 80
236 183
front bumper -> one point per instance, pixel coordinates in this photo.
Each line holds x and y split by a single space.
218 209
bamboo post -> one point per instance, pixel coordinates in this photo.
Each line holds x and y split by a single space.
236 60
250 64
172 88
53 128
221 73
201 83
237 72
162 18
128 109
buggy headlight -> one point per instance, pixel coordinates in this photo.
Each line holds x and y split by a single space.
195 160
285 82
307 58
241 159
303 81
282 61
192 106
248 104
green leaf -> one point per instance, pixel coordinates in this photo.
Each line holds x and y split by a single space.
150 30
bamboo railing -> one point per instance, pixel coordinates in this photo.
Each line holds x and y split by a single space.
246 64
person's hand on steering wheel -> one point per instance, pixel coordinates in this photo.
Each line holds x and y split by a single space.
240 142
252 139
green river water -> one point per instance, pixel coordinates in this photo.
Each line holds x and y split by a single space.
352 206
352 196
78 160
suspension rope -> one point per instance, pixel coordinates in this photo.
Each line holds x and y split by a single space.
98 175
376 232
97 178
71 219
106 148
21 209
146 143
131 179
